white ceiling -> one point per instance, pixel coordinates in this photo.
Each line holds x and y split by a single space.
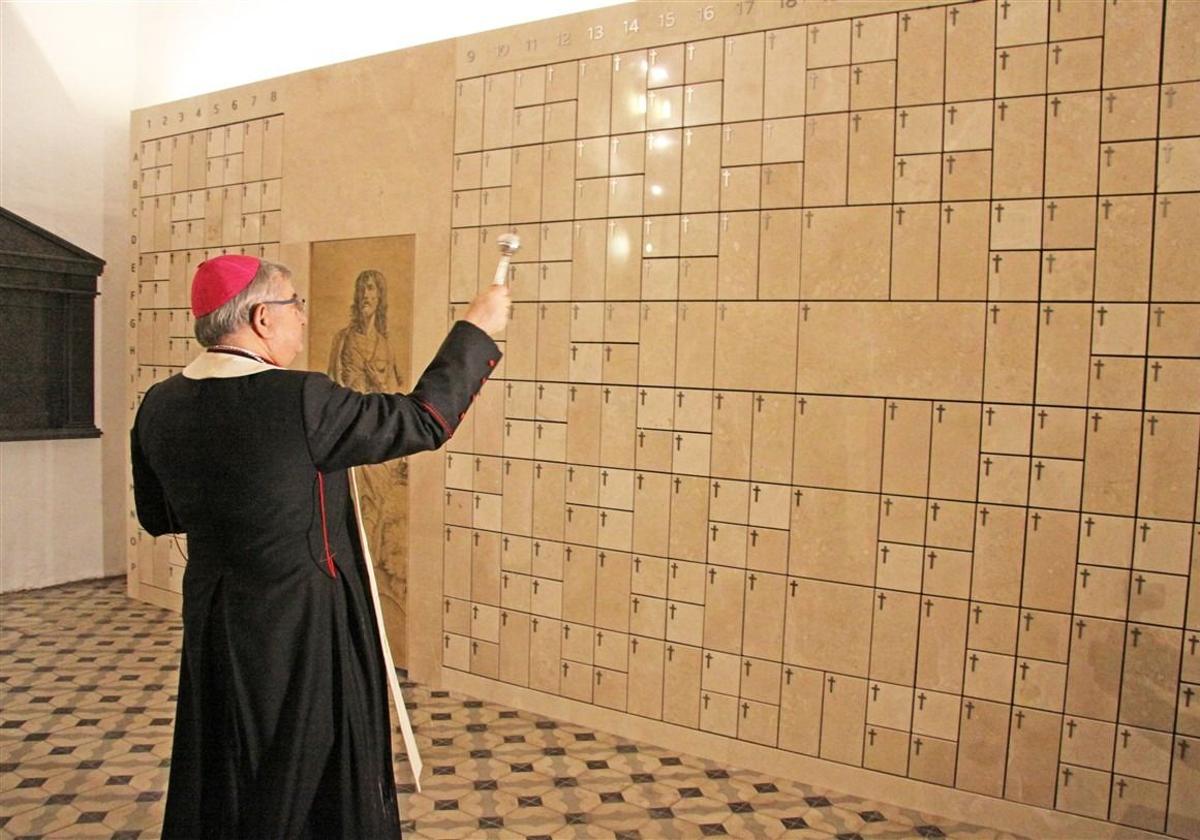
195 46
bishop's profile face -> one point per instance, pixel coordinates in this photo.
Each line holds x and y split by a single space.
286 337
370 300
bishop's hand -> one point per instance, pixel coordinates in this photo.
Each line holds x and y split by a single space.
489 311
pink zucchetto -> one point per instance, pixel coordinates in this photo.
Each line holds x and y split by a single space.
219 280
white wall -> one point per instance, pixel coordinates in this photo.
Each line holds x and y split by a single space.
184 48
66 84
70 72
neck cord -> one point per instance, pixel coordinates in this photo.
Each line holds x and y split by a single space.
241 351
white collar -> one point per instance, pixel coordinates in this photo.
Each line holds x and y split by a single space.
223 366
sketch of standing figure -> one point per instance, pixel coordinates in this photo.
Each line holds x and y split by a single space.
362 358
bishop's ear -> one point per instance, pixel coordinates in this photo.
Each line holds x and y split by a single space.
260 320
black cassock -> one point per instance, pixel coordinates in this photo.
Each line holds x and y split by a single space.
282 725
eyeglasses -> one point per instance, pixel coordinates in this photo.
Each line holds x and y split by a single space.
294 300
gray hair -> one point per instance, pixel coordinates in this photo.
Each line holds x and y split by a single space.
235 312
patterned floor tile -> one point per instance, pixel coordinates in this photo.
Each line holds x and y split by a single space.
619 816
571 800
731 789
602 779
41 820
583 831
448 825
531 821
87 682
700 809
489 803
558 766
652 795
141 820
753 825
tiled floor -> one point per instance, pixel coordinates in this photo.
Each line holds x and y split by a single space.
86 702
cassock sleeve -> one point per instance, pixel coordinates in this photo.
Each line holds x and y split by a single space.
346 428
148 493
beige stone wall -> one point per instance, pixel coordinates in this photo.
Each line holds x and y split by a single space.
848 421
